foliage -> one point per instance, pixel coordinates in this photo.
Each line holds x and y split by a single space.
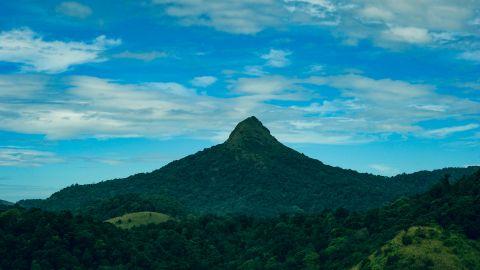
127 203
425 248
329 240
4 205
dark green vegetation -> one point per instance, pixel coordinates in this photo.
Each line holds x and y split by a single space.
135 219
2 202
5 205
251 173
448 212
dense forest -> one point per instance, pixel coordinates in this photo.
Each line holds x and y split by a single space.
438 229
252 173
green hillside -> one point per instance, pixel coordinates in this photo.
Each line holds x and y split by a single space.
421 248
136 219
252 173
439 228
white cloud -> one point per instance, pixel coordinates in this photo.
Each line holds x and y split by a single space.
143 56
383 169
266 85
470 56
203 81
407 35
21 157
20 86
388 23
316 68
320 12
33 53
360 110
442 132
74 9
428 22
277 58
238 17
387 106
254 71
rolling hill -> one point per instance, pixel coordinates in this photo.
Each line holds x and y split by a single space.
253 173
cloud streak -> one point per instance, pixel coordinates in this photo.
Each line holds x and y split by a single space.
33 53
74 9
387 23
362 110
21 157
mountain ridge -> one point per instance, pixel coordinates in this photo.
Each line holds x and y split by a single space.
251 173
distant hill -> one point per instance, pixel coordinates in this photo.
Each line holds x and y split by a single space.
4 205
253 173
2 202
135 219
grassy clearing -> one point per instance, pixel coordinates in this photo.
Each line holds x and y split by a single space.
425 248
131 220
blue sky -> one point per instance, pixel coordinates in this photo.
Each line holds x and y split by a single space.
94 90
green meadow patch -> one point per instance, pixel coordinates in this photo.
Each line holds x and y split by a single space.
131 220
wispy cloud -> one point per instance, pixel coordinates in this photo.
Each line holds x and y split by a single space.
22 157
203 81
363 109
383 169
277 58
21 86
74 9
473 56
33 53
442 132
412 35
239 17
387 23
143 56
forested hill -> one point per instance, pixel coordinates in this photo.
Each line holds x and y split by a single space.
252 173
439 229
5 205
2 202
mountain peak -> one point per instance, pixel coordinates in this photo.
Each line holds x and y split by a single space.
250 132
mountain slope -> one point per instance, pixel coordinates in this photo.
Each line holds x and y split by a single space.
250 173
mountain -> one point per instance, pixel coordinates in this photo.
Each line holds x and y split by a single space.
252 173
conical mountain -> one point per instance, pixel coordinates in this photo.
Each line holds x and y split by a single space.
250 134
250 173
